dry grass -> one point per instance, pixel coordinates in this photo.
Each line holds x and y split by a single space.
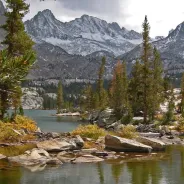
90 144
89 131
7 133
128 132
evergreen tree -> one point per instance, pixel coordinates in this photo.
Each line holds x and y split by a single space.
13 71
119 91
18 58
156 96
136 88
16 99
88 102
102 94
182 95
146 68
59 97
171 106
17 41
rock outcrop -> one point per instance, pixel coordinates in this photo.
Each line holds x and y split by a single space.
156 144
116 143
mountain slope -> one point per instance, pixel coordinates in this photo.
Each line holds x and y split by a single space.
171 49
83 35
55 63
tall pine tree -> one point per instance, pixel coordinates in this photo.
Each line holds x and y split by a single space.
136 88
102 93
157 95
17 41
119 91
146 68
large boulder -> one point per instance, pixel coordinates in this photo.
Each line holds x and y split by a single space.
156 144
119 144
53 145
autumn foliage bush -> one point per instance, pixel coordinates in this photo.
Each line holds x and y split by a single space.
21 124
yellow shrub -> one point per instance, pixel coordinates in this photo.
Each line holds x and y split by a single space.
89 131
180 126
128 132
23 122
16 150
8 135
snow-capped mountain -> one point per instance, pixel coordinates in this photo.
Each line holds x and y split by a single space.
171 49
83 35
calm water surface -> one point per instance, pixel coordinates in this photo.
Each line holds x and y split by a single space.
162 168
165 168
47 122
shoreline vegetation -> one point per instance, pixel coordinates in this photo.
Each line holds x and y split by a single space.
112 132
86 144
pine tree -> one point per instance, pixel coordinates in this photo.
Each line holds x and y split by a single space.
17 41
171 106
88 102
182 95
146 68
136 88
157 83
102 94
18 58
16 99
59 97
119 91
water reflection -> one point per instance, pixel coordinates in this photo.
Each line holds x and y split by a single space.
166 168
117 170
100 173
145 172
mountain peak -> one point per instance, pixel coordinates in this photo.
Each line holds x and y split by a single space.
46 13
178 33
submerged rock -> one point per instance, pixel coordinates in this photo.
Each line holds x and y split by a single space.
156 144
2 156
87 159
35 157
65 156
119 144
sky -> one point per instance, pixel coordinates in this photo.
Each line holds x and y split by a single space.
163 15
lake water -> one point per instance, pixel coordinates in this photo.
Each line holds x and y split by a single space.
47 122
162 168
165 168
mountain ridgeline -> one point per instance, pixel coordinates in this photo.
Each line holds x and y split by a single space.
70 50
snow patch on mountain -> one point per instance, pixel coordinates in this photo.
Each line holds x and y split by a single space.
83 35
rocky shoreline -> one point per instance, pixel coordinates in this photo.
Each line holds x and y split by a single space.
56 149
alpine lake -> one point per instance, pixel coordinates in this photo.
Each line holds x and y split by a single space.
155 168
